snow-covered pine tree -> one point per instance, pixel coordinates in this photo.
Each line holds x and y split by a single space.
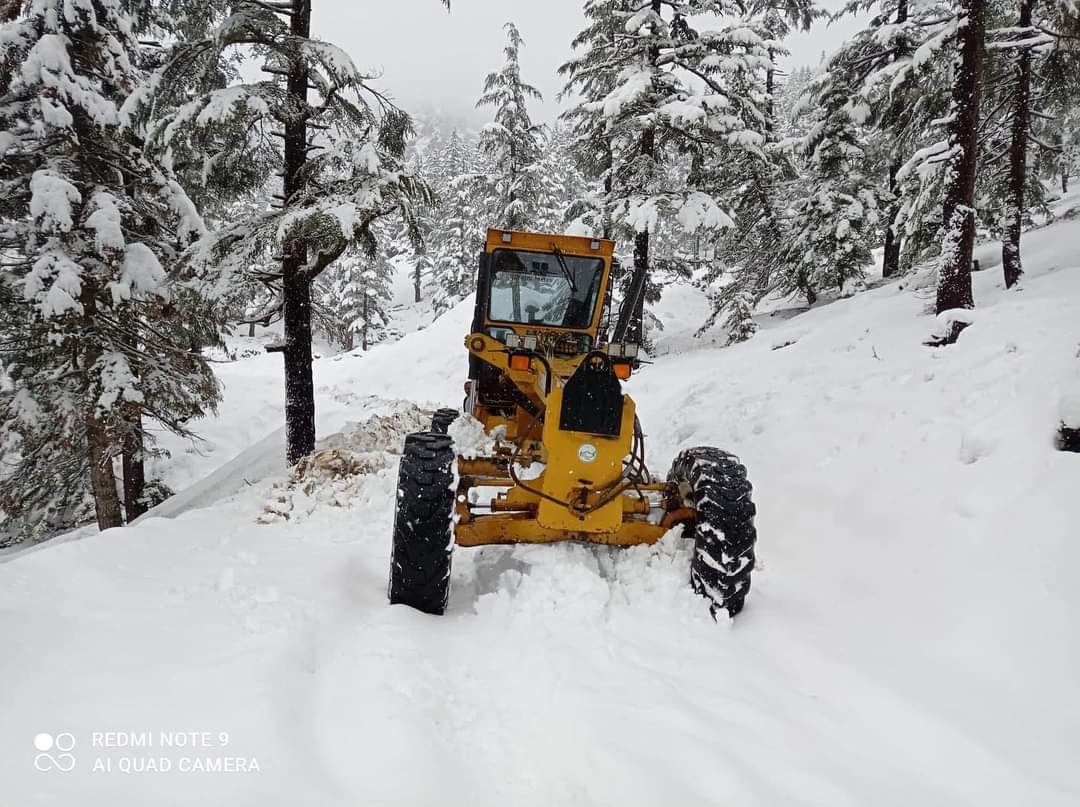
751 258
559 179
457 236
405 244
900 71
778 18
341 164
1032 77
788 108
739 321
901 77
96 339
745 262
683 93
724 125
436 166
834 215
891 66
752 255
591 75
250 297
421 256
373 315
1058 146
512 141
1008 189
1025 37
602 52
1056 122
355 295
457 240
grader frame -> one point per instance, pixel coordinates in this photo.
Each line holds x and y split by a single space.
564 452
593 487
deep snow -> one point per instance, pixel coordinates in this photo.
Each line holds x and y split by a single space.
910 638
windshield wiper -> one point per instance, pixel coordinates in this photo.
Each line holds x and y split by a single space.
565 269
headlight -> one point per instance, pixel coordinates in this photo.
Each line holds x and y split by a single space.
513 340
529 342
623 350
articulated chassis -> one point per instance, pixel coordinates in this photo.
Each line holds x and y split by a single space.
510 515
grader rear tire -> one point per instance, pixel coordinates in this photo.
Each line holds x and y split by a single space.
423 524
714 483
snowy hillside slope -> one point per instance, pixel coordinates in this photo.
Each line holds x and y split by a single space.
253 407
910 638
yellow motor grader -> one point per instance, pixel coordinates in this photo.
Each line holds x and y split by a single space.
565 452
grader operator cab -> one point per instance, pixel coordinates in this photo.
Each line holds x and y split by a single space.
567 453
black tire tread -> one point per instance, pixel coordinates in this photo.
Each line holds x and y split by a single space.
723 530
423 524
441 420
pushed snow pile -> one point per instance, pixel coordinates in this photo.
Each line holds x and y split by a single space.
357 422
380 432
335 474
949 324
1069 410
470 439
910 638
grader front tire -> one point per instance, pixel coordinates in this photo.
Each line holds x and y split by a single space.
441 420
714 483
423 524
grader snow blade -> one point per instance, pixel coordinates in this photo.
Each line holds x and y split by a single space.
566 451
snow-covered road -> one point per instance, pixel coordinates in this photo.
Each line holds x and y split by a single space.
910 638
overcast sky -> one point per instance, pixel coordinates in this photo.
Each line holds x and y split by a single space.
434 60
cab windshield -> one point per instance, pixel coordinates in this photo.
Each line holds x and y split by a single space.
536 288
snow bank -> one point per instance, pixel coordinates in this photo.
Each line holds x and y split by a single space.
910 638
1069 410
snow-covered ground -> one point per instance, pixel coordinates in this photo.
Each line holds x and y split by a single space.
910 639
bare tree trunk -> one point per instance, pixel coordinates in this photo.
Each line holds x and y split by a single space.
806 288
954 276
770 88
132 461
638 284
363 332
299 385
632 312
416 283
890 260
99 449
512 222
1064 180
609 167
609 170
134 469
1021 122
102 477
515 298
